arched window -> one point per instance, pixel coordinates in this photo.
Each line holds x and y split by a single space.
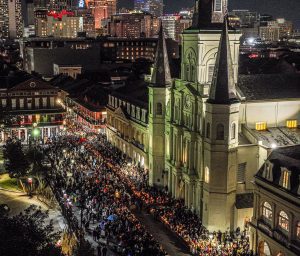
208 130
283 221
233 131
206 175
267 211
220 132
298 230
159 109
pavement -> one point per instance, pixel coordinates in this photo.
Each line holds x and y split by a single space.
172 244
19 201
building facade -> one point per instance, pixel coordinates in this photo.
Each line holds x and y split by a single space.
11 19
31 104
275 225
204 128
131 25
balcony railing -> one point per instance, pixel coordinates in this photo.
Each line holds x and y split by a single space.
265 227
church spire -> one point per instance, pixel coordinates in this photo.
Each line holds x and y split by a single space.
161 75
223 89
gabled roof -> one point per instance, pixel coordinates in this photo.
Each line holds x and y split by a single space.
33 84
223 89
161 76
286 157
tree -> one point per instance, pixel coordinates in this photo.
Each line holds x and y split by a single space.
27 234
16 162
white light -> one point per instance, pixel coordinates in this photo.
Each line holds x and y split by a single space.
251 40
273 145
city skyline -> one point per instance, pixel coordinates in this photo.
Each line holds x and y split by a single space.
272 7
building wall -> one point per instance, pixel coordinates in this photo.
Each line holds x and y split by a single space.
274 113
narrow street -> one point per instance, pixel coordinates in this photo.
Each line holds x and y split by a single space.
169 241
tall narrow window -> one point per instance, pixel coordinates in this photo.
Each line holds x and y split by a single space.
13 103
159 109
285 178
206 175
210 73
233 131
208 130
298 230
220 132
241 173
218 5
283 221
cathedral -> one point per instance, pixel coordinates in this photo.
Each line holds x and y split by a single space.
204 136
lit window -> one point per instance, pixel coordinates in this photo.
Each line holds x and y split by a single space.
206 175
285 175
210 73
291 123
267 211
261 126
283 221
298 230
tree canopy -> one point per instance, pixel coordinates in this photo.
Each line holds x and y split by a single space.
28 234
16 162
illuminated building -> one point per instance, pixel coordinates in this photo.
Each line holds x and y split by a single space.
11 21
174 25
155 7
131 25
275 226
211 130
30 104
103 10
40 22
63 24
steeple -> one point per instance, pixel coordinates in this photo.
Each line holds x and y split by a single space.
161 75
209 14
223 89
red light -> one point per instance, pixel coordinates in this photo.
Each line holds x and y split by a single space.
59 15
253 56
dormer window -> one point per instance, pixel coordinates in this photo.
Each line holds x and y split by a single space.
291 124
261 126
268 171
285 178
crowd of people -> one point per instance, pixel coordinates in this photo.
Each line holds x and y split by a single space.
94 173
86 181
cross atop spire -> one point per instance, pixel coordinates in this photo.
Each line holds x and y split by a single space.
161 75
223 89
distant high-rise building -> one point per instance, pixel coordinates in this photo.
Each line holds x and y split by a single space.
103 10
155 7
174 25
247 18
11 21
131 25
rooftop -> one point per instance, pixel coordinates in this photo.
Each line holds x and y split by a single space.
280 136
269 87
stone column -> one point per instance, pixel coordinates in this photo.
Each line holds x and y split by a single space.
186 194
170 181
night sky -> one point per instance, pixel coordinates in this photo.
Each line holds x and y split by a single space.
289 9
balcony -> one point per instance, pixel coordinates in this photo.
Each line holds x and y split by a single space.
265 227
281 237
138 145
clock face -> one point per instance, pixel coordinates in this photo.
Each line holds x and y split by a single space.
188 101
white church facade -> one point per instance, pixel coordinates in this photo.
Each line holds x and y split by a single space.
208 133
